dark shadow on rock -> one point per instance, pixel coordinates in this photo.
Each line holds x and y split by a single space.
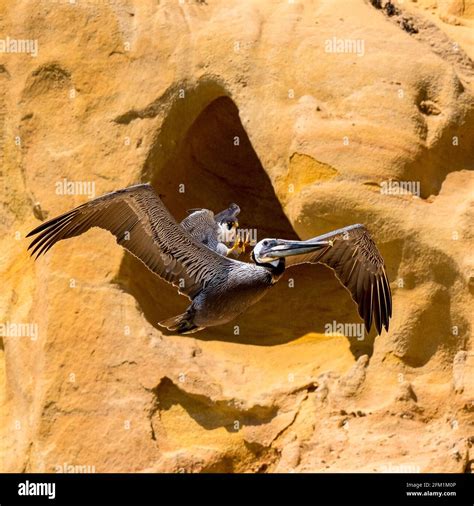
211 414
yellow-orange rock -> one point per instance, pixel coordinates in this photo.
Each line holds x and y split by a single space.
251 102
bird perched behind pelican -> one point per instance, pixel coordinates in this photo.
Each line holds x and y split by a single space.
221 288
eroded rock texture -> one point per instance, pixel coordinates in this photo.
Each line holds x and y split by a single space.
246 102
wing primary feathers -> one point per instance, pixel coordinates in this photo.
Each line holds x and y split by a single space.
352 270
370 306
42 238
378 308
47 224
358 265
388 292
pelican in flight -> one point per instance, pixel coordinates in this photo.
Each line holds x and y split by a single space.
221 288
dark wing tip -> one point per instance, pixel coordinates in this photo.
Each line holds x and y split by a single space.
372 289
45 224
48 234
388 300
382 307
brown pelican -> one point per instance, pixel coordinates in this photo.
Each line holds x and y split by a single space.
214 231
219 287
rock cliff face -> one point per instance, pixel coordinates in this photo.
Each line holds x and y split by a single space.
311 115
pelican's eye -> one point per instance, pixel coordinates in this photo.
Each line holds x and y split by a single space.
265 243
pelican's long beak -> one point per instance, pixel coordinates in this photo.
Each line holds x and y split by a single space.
286 248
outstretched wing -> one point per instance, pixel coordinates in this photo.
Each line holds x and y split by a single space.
142 225
355 259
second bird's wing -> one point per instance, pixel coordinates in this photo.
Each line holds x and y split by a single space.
142 225
202 226
355 259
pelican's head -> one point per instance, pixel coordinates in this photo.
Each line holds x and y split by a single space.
272 251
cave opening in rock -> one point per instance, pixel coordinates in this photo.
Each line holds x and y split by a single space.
203 166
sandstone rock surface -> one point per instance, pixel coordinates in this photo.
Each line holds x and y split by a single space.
247 102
